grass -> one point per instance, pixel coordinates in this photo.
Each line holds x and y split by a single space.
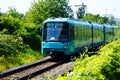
19 59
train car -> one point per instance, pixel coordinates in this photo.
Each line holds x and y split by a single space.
64 36
109 32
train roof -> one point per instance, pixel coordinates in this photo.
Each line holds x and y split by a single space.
110 26
52 19
72 21
78 22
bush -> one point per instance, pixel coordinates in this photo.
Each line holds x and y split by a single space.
111 71
105 66
11 45
31 35
13 52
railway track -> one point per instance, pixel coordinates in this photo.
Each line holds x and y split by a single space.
29 71
40 69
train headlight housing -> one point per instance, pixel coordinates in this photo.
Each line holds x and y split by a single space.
66 45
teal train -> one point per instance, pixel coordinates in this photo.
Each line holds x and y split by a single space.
65 36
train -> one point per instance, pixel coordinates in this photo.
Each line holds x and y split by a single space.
66 36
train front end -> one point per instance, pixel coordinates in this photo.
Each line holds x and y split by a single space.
55 37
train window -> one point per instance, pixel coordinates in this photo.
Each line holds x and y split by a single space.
56 31
76 32
71 32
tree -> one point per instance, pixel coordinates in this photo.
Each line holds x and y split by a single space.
12 12
1 13
10 24
111 20
95 18
44 9
81 11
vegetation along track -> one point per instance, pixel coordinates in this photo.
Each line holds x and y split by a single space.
29 71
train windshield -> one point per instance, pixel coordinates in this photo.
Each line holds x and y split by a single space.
56 31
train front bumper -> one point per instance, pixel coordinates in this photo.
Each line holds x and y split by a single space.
56 47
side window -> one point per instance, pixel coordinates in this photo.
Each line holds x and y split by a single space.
71 32
75 31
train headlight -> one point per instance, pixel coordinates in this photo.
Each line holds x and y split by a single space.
65 45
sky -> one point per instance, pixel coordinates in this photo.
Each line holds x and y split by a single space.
102 7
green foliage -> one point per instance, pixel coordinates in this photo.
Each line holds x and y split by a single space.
18 59
12 12
15 34
42 10
111 20
95 18
105 66
112 70
31 35
9 23
81 11
11 45
13 52
33 40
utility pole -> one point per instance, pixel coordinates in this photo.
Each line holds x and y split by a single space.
106 12
106 15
